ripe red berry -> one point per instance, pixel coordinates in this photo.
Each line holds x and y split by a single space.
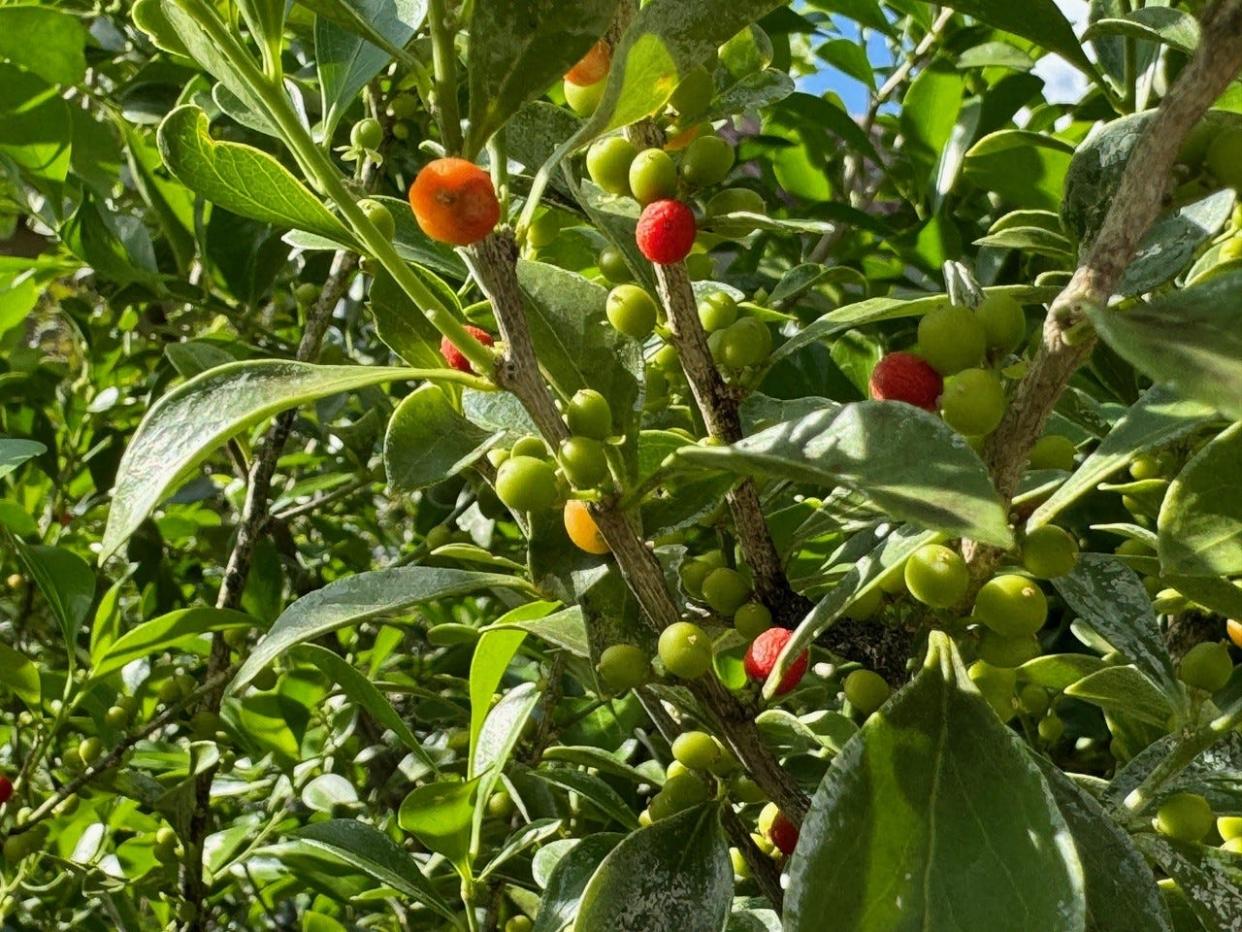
761 658
6 789
453 356
906 377
783 834
454 202
665 232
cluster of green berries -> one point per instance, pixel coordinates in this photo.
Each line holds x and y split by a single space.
1188 817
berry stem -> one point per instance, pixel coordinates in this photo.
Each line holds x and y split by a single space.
1141 196
444 66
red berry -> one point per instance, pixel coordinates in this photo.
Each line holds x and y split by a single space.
665 232
906 377
453 356
6 789
454 202
783 833
761 658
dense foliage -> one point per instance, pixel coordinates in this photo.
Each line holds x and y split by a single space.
515 464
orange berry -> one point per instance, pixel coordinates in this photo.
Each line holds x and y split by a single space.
582 529
592 67
454 202
1234 630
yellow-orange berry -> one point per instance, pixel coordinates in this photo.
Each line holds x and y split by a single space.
582 529
592 66
454 201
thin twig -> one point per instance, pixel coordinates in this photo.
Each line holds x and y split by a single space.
1141 195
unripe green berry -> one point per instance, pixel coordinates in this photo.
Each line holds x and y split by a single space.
937 576
530 445
1007 652
1049 552
751 620
608 163
1011 605
866 690
1053 451
1004 322
380 216
1184 816
653 176
623 666
725 590
584 462
696 749
1206 666
973 402
685 650
366 134
632 311
717 311
526 484
952 338
589 415
613 267
706 161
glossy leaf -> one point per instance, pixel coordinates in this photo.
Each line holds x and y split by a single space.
373 852
883 450
1124 691
355 599
568 880
164 633
240 178
519 841
439 815
14 452
58 55
20 676
185 426
361 690
1201 518
67 583
1210 878
428 441
347 61
1158 418
1109 598
629 890
518 48
1040 21
492 655
1176 28
888 846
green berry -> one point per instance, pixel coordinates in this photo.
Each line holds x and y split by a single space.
746 790
725 590
706 161
525 484
700 267
1051 728
1053 451
1148 466
632 311
608 163
584 462
653 176
685 650
973 402
588 414
366 134
306 294
519 924
866 605
1229 827
264 680
1033 700
500 805
1007 652
165 837
748 342
623 666
1206 666
694 94
1184 816
1011 605
662 806
583 99
866 690
1004 323
404 106
89 750
937 576
1049 552
380 216
530 445
752 619
116 717
717 311
693 572
997 685
685 790
696 749
1224 157
612 266
543 229
952 338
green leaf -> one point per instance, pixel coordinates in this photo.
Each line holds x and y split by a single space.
593 789
930 111
36 129
1173 241
14 452
1040 21
428 441
371 851
1110 599
934 817
440 814
1030 239
346 13
564 629
1124 691
360 689
1201 518
664 43
327 792
1204 362
874 310
20 676
1060 671
347 61
204 49
563 892
185 426
492 654
164 633
266 21
1154 24
518 48
360 598
1158 418
1210 878
850 58
1095 172
67 583
882 450
402 326
240 178
1122 895
529 834
673 876
45 41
